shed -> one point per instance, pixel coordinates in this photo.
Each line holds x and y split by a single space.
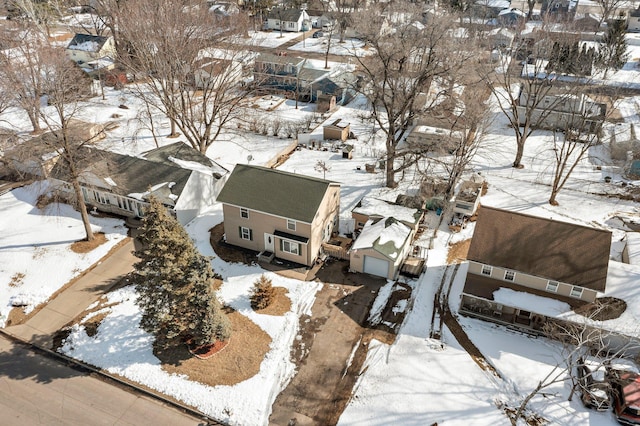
325 102
381 248
347 151
339 129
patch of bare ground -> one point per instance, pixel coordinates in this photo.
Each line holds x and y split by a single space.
603 309
16 316
280 305
224 250
458 251
238 361
84 246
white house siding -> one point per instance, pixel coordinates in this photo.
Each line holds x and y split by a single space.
199 192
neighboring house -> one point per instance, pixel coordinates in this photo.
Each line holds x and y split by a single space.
563 111
341 85
489 8
369 208
279 214
212 73
633 20
89 48
509 18
381 248
286 74
336 130
524 269
288 20
184 180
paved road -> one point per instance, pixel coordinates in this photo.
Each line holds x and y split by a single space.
69 303
35 389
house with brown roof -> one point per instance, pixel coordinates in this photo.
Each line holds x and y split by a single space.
525 269
279 214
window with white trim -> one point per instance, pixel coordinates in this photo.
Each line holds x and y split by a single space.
486 270
290 247
552 286
291 224
244 213
576 292
509 275
246 233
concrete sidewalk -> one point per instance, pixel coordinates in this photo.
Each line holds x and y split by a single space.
70 302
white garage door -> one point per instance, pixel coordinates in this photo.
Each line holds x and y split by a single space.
375 266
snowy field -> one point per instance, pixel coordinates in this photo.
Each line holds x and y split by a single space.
35 255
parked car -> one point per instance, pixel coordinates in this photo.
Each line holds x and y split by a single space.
626 398
318 34
594 386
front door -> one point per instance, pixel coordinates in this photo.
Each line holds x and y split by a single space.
268 242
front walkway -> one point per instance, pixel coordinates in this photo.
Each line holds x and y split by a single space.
41 328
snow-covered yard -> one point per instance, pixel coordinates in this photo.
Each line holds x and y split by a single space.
414 381
35 255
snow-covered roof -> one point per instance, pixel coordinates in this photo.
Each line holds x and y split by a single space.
633 247
530 302
386 236
376 208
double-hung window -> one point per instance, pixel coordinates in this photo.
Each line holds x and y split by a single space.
290 247
552 286
246 233
244 213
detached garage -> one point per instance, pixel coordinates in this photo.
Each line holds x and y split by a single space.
381 248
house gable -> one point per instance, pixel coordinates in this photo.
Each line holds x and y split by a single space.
560 251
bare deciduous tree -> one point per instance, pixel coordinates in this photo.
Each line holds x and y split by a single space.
573 142
398 76
177 52
577 340
66 86
524 93
21 70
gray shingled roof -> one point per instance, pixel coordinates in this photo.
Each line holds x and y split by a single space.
288 15
80 39
550 249
275 192
130 174
182 151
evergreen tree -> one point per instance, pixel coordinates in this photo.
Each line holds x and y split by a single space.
613 48
262 293
174 284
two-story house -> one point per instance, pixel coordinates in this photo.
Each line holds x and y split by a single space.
562 111
279 214
282 73
524 269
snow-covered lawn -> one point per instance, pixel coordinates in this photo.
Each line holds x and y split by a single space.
122 348
35 255
349 47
